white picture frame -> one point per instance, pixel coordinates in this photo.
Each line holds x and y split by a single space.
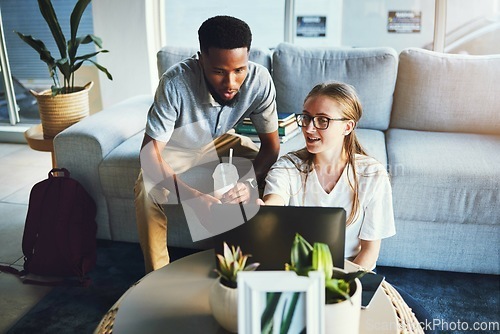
270 298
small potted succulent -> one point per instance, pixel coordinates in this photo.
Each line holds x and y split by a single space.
223 297
343 290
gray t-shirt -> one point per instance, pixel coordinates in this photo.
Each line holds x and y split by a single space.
184 104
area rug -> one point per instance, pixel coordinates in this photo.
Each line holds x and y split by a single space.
79 309
454 300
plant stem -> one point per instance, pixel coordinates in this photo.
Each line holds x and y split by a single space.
55 78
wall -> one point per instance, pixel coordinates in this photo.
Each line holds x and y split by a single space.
123 27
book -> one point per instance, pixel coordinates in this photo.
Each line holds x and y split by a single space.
243 128
283 139
283 119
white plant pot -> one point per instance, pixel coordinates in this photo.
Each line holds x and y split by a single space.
344 317
224 304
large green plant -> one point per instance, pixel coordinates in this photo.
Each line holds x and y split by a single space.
69 62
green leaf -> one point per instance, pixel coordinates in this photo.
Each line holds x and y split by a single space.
64 66
336 290
322 259
348 277
73 46
266 320
77 66
102 69
39 47
242 261
228 255
301 253
252 267
88 55
76 16
49 14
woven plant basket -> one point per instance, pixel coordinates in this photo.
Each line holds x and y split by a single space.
63 110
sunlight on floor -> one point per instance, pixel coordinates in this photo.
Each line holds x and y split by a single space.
20 168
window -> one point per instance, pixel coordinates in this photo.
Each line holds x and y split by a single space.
25 17
265 18
471 26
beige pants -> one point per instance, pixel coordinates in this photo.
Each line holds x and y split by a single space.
150 216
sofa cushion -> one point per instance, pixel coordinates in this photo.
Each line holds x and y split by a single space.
119 171
170 55
445 177
372 71
447 92
442 246
373 141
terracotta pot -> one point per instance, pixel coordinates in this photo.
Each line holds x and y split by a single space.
344 317
224 304
63 110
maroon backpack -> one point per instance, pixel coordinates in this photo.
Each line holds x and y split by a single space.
60 232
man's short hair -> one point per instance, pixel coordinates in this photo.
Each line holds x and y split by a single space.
224 32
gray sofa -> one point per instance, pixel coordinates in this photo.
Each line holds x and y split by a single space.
433 119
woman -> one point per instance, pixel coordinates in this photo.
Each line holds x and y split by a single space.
333 170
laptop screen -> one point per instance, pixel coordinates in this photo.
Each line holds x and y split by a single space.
268 235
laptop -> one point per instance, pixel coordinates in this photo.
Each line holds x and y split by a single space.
268 235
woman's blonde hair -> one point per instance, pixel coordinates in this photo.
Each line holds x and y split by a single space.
351 109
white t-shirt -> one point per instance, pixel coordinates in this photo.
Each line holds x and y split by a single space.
376 217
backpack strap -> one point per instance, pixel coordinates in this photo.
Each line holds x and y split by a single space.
81 281
12 270
35 209
54 172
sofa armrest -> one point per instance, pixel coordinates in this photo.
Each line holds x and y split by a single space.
82 147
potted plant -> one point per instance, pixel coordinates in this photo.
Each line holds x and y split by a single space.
66 104
343 290
223 296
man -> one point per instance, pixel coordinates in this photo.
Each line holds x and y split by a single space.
197 102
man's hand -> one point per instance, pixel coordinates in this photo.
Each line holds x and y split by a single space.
241 193
200 205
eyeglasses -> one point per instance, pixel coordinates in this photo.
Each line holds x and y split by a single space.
319 122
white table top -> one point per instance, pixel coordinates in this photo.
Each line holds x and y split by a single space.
174 299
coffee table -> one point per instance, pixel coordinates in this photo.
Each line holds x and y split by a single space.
174 299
